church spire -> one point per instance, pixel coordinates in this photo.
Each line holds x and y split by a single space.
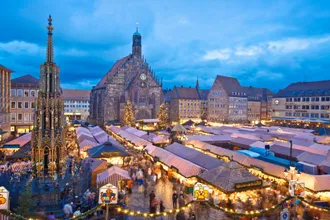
197 84
50 28
136 46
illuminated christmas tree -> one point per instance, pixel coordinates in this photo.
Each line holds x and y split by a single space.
129 118
163 115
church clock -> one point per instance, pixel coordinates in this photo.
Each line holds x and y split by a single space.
143 76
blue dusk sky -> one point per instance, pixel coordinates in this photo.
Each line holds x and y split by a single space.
262 43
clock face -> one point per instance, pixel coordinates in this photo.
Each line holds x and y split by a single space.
143 76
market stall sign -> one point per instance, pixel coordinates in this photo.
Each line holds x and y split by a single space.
4 198
201 192
108 194
110 154
253 184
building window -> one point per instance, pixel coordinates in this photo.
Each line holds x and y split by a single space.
19 105
33 93
31 117
13 117
19 92
296 114
33 105
304 114
26 117
26 93
13 92
13 105
26 104
19 117
314 115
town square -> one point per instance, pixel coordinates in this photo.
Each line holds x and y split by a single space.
109 120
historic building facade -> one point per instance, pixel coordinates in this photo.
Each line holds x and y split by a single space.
4 102
48 133
186 103
130 78
76 104
228 101
24 93
303 102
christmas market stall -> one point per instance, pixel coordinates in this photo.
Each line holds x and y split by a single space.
148 124
96 167
114 175
12 146
175 166
195 156
113 154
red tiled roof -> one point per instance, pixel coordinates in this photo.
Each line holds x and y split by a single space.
184 93
76 93
113 70
28 79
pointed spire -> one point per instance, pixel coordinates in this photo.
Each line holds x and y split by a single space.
137 26
50 40
161 82
197 84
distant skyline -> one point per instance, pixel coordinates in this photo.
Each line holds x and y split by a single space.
262 43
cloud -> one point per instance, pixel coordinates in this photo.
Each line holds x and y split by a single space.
21 47
223 54
248 51
295 44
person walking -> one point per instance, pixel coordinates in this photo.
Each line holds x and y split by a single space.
175 199
154 205
161 209
152 195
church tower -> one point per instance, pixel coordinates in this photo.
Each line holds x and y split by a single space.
47 137
137 47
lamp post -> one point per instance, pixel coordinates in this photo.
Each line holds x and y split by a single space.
290 174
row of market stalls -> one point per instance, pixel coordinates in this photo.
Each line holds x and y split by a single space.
104 155
188 165
273 139
265 169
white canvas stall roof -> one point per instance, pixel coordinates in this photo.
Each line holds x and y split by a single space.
114 129
320 146
136 132
259 144
325 166
195 156
302 148
112 175
86 144
84 134
185 167
151 120
323 139
21 141
246 136
131 137
210 138
311 158
217 150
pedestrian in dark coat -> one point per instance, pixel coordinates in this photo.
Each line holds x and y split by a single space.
175 199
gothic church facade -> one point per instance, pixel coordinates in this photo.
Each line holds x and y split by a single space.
130 78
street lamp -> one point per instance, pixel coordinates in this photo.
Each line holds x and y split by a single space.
290 174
